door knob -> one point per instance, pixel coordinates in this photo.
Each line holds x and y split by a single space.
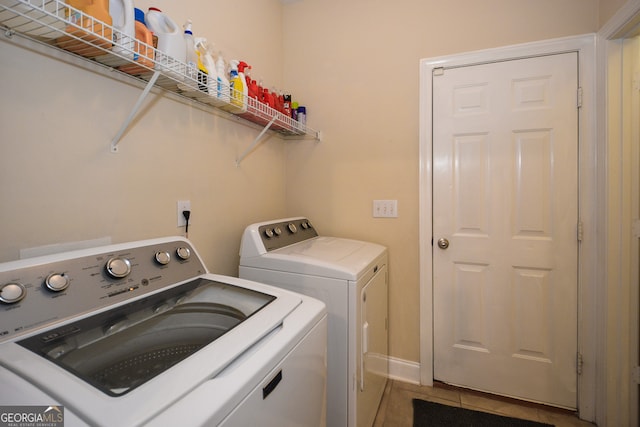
443 243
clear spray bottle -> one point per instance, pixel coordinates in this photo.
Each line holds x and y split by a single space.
191 57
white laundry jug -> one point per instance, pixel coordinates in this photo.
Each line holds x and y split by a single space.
124 34
172 50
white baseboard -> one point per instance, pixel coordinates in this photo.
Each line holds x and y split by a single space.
404 370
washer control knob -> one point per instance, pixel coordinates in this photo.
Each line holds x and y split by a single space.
305 225
183 253
57 282
269 233
277 230
292 228
118 267
163 257
12 293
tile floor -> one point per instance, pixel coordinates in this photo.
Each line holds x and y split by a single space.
396 408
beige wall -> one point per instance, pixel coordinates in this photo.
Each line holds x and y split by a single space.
353 63
356 64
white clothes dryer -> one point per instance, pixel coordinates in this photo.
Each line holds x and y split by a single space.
350 277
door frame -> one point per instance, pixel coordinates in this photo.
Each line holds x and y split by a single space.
620 345
590 195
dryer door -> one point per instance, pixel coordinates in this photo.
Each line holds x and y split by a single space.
373 360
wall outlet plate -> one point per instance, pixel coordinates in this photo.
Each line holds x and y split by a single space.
184 205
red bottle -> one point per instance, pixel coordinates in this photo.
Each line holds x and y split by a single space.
268 98
253 89
245 69
261 93
278 100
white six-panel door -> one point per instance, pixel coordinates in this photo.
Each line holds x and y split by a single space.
505 214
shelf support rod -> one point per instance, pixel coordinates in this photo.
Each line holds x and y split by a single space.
134 111
255 141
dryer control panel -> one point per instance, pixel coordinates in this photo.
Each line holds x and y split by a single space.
283 233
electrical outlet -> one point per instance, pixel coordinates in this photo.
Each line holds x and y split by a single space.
385 208
184 205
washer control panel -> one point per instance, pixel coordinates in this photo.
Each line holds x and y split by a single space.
39 291
284 233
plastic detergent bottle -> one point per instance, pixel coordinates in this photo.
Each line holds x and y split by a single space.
280 103
273 99
242 66
261 93
93 31
209 64
143 46
223 82
236 85
294 110
203 74
123 17
191 56
244 70
268 98
253 89
171 45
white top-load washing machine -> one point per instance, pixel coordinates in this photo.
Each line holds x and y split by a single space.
141 334
350 277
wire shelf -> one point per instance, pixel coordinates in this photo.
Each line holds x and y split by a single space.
60 25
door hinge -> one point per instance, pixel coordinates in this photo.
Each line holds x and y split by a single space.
580 231
635 228
438 71
579 363
579 97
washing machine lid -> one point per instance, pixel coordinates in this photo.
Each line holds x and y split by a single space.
119 350
321 256
98 407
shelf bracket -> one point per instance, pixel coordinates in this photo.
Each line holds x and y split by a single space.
134 111
255 141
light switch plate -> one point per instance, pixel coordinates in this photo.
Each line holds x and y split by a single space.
385 208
